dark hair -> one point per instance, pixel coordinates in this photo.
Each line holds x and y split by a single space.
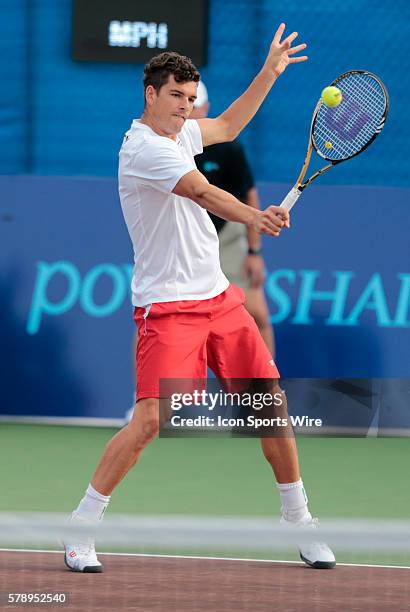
158 69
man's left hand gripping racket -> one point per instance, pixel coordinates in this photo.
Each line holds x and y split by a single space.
338 134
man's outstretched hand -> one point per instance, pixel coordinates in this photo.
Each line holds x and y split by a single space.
281 53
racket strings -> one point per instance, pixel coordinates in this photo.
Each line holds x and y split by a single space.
341 132
367 90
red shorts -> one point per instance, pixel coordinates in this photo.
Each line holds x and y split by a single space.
180 340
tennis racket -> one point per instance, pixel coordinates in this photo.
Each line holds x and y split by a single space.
338 134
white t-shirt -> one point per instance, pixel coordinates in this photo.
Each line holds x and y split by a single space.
176 250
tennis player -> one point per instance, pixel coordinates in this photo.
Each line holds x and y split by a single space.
188 315
240 248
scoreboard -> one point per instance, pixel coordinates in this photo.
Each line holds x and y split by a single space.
133 31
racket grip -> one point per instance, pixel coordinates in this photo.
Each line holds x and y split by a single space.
290 200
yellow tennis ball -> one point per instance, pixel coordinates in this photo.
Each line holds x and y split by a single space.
332 96
328 145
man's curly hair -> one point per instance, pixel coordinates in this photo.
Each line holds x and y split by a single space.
160 67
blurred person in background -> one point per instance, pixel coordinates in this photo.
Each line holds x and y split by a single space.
240 247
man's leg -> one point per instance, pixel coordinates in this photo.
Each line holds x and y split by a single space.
280 450
282 455
171 345
119 456
256 305
237 351
123 450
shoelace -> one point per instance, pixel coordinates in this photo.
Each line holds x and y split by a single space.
314 524
311 522
84 544
322 545
85 547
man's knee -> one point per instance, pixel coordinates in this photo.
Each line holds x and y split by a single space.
279 397
146 420
150 429
272 403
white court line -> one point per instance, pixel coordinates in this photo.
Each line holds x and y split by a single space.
60 552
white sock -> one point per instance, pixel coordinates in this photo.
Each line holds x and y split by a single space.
294 501
93 504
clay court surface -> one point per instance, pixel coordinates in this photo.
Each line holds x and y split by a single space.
144 583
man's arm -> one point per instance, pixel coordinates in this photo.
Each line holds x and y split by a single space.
252 200
227 126
254 265
195 186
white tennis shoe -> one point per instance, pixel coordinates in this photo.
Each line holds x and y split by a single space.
80 553
316 554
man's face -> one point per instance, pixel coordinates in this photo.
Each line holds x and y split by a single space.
172 106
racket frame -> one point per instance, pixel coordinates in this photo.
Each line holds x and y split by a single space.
291 198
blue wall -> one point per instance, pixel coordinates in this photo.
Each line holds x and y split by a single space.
338 287
63 117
